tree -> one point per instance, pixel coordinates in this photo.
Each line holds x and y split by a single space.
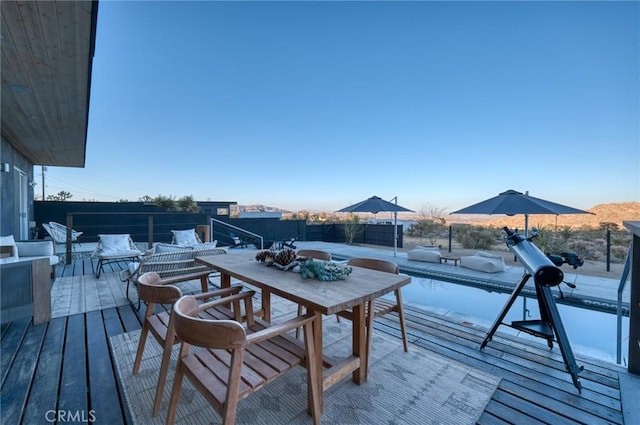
188 203
430 224
167 202
60 196
145 198
351 228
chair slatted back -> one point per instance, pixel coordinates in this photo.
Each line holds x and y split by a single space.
375 264
314 253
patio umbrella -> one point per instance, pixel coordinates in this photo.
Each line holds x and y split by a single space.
512 203
374 205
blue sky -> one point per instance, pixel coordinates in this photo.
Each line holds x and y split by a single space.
318 105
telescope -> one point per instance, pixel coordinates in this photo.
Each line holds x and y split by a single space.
545 275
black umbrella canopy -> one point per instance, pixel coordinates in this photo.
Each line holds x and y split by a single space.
512 203
374 205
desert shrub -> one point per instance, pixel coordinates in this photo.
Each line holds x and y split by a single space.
430 224
430 229
619 253
586 249
476 237
550 242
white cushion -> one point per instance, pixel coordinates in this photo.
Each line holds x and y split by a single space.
167 247
35 248
484 262
114 244
205 246
185 237
9 241
427 254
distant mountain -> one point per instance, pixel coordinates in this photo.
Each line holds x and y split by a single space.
604 213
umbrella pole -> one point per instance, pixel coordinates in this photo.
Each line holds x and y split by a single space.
395 229
395 233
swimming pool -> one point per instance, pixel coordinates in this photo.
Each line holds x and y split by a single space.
589 332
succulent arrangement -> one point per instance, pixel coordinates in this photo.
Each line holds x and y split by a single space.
324 270
287 259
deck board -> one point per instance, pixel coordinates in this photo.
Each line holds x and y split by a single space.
102 382
66 364
19 377
73 384
44 392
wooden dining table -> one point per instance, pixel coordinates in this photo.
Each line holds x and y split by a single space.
320 297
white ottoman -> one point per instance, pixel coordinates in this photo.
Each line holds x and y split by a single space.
429 254
484 262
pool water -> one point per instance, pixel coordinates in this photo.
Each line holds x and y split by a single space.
589 332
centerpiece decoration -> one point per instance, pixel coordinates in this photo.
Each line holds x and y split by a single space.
287 259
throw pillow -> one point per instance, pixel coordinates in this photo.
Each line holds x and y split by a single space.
114 243
9 241
185 237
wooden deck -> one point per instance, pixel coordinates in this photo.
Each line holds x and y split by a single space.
66 366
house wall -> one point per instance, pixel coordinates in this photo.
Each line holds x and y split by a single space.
9 208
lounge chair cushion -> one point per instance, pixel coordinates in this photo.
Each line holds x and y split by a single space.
185 237
430 254
484 262
205 246
112 245
169 247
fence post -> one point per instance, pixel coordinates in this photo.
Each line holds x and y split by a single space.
67 242
450 236
150 231
608 250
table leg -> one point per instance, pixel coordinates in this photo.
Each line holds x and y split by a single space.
317 338
266 305
359 375
225 280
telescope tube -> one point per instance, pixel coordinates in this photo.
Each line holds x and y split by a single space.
537 264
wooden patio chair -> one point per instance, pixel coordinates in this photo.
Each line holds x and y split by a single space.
317 255
380 306
227 362
153 293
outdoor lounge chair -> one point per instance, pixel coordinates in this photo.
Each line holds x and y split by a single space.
172 266
58 232
114 248
153 292
236 241
287 244
227 362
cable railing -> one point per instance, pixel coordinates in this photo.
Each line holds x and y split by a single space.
219 223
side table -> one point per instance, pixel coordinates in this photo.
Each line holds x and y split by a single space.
446 258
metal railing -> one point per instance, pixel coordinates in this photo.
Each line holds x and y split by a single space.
237 229
623 283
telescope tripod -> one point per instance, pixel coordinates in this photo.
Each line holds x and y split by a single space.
549 324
